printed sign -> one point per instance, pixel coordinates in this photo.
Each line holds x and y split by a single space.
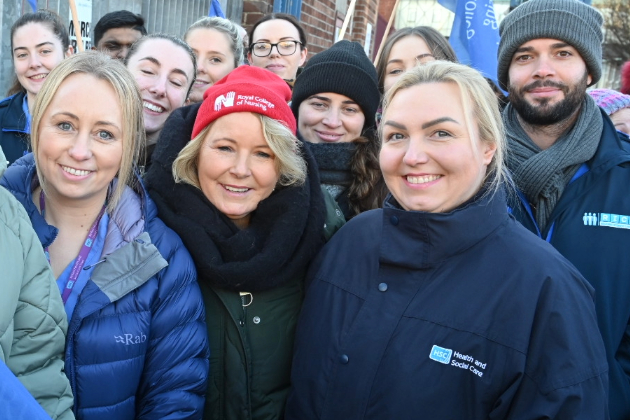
84 15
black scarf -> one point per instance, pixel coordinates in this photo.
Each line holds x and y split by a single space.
286 231
334 161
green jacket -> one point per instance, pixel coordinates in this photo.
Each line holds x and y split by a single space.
33 321
256 353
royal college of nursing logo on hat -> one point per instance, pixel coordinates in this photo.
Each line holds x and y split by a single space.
227 100
224 100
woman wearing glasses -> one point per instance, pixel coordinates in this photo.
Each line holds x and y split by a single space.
278 44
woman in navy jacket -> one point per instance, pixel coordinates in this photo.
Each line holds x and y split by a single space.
137 344
39 42
440 305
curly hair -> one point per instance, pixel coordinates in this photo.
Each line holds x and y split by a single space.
367 190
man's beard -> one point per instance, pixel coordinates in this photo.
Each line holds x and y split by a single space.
542 113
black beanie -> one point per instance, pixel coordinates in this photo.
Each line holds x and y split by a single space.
343 69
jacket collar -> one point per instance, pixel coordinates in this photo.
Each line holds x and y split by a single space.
612 151
613 148
14 118
434 237
128 268
21 178
140 259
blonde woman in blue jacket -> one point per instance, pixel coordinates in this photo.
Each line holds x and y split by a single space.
137 343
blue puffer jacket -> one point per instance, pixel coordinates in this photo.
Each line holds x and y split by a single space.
137 344
599 248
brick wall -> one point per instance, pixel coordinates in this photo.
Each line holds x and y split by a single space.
318 19
385 8
366 11
254 10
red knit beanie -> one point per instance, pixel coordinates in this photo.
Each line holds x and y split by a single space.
625 78
246 89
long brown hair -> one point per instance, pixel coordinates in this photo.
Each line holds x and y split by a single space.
44 17
439 46
367 190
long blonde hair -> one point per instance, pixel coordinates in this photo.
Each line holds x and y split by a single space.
112 71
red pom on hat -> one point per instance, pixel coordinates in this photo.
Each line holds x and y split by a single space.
246 89
625 78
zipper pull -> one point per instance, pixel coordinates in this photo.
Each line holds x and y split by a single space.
245 300
95 264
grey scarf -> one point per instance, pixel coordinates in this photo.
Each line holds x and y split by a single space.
542 175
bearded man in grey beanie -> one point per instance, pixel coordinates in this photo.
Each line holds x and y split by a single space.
571 167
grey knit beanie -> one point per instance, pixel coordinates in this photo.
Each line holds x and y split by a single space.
572 21
343 69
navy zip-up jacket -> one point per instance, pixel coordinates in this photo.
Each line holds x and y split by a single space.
590 226
15 139
461 315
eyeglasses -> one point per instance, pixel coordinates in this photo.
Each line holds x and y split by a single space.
263 49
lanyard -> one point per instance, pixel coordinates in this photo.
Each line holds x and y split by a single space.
83 253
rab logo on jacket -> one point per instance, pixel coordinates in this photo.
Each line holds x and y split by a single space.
226 101
440 354
130 339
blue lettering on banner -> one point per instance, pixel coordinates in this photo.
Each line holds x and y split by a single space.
440 354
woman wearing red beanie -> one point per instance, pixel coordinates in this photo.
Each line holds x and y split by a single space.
230 177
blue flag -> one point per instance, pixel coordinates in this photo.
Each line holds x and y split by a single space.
215 9
475 34
33 4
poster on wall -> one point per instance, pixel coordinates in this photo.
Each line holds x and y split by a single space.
84 12
338 25
368 39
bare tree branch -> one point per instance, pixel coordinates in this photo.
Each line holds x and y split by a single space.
616 30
